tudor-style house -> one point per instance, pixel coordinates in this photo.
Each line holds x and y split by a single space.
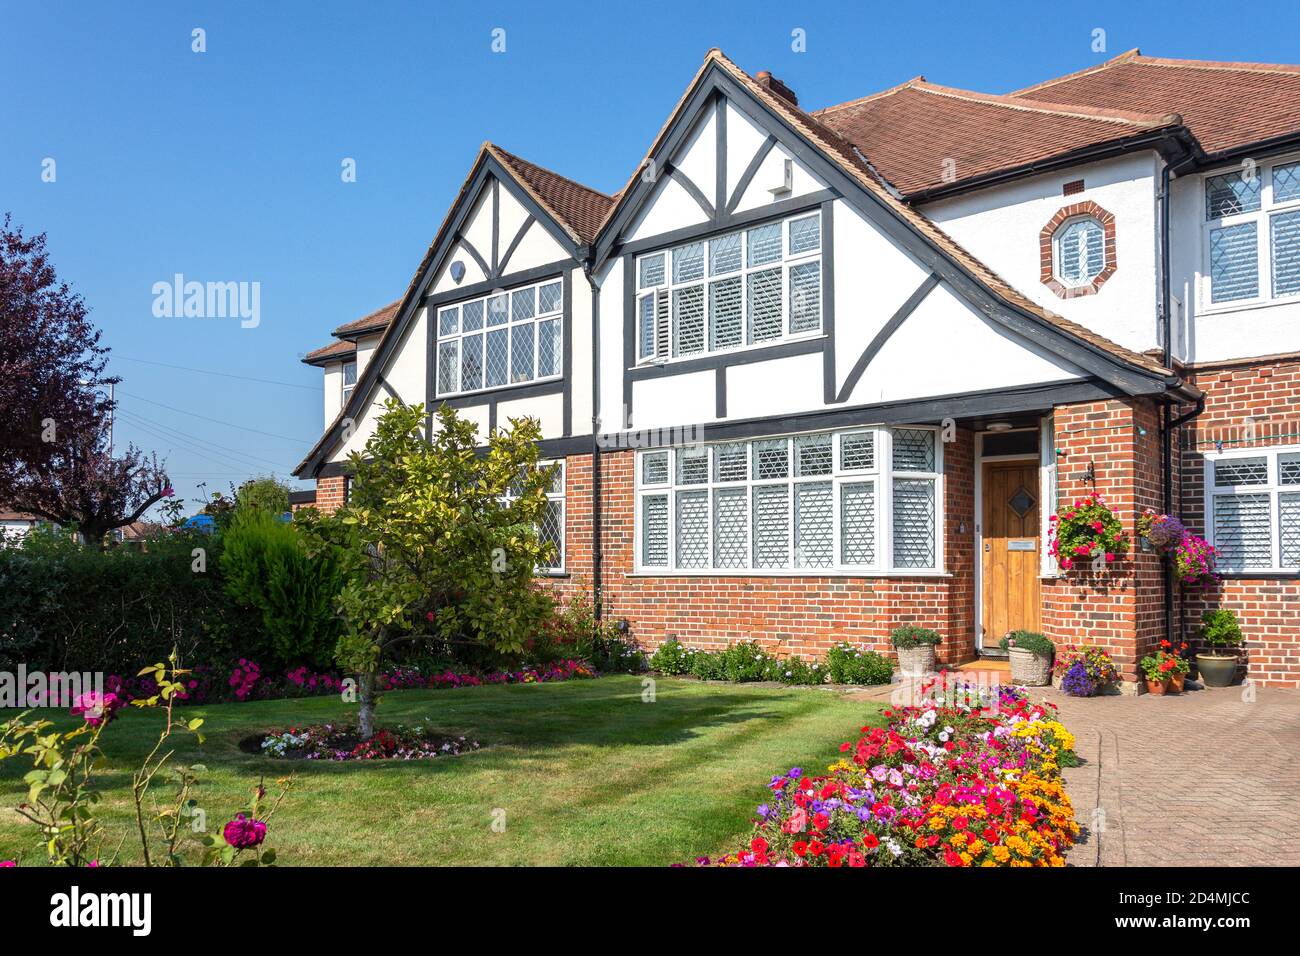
815 373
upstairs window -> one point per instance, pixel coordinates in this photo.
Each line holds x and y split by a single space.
1252 235
505 338
1253 509
349 380
755 286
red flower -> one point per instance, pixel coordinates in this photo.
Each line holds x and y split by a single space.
821 821
815 847
800 848
951 858
870 841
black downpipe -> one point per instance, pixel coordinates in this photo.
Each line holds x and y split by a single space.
597 591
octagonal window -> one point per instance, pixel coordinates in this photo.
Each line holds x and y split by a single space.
1079 251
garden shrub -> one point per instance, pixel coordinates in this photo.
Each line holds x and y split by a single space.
267 568
705 665
1030 641
671 658
849 665
744 661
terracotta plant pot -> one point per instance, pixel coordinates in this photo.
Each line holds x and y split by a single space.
1157 687
915 661
1028 668
1176 683
1217 670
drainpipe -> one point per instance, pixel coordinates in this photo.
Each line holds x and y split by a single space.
596 588
1168 424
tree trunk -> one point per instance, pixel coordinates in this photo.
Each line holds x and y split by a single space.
366 693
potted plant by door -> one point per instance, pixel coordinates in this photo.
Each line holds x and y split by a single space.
1157 668
1222 636
915 646
1030 654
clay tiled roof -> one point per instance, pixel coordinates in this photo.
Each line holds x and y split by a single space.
333 352
1226 106
920 136
375 321
842 151
577 207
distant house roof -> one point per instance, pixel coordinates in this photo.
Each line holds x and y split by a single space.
1227 106
375 321
920 135
334 352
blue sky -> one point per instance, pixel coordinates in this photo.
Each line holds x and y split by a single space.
225 165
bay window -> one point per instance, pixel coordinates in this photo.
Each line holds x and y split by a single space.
856 500
1253 509
755 286
505 338
1253 234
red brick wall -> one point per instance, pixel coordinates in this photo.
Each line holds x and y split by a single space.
1247 405
1120 609
796 615
329 493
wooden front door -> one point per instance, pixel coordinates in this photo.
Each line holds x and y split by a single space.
1011 560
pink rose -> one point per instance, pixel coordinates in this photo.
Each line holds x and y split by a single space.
244 832
96 708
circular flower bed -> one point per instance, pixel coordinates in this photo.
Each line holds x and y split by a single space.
344 742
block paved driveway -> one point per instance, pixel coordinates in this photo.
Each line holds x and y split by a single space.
1205 778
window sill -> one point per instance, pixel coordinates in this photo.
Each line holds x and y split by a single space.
1251 306
1264 574
799 573
722 355
499 388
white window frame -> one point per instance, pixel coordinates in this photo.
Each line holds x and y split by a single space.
345 390
1272 487
881 473
553 495
509 326
1057 274
1262 218
663 351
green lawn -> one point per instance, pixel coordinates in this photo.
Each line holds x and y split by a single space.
586 772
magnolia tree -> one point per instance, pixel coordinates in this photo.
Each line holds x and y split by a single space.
441 540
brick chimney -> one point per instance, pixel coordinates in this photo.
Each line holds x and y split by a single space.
765 78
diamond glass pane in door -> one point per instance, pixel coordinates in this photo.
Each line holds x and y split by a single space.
1243 531
448 366
814 526
688 320
1234 263
772 526
548 348
692 529
521 353
913 449
858 523
1240 471
765 320
471 362
1286 253
731 527
1021 502
496 369
913 523
1289 528
552 532
805 297
654 531
726 320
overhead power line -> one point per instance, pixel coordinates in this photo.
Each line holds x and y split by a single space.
217 421
207 371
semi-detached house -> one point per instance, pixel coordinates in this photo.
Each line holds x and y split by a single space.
812 374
